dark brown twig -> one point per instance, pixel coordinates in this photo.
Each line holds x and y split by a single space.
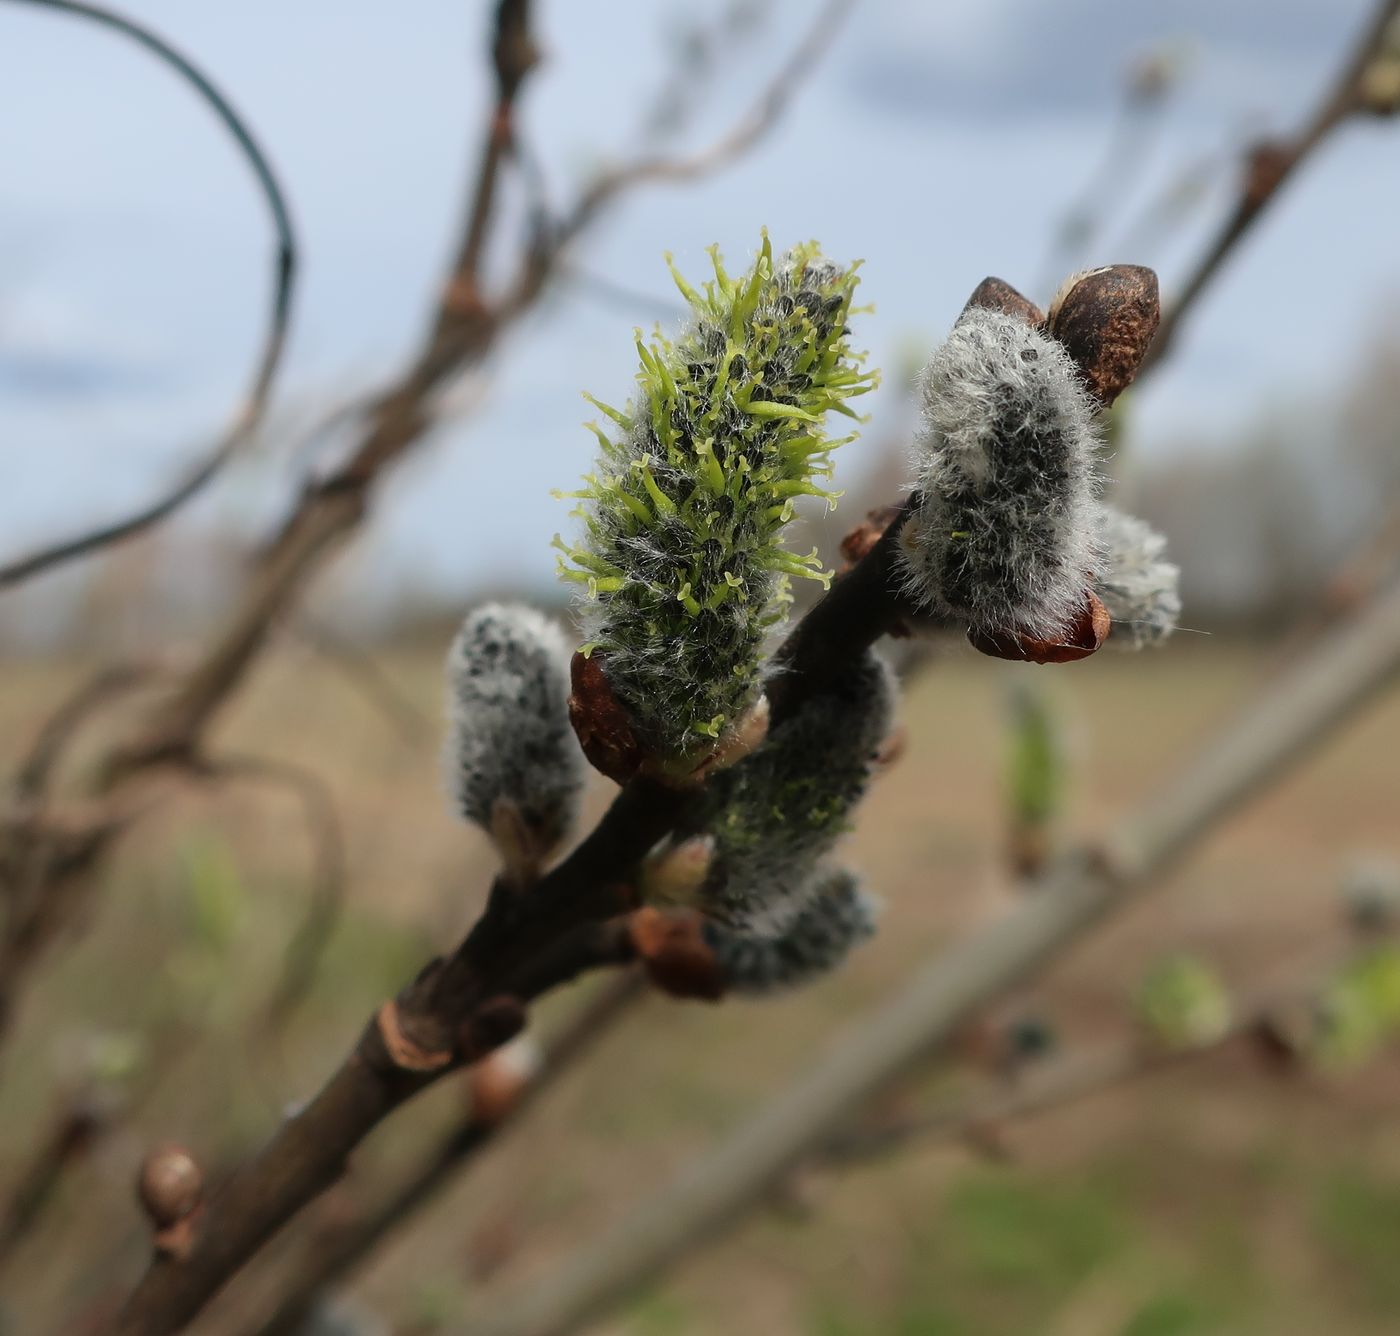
251 410
338 1250
32 776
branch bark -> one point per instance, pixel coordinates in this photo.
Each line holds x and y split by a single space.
344 1247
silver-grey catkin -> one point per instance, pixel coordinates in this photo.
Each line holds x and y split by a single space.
1136 583
780 811
836 917
1005 533
509 735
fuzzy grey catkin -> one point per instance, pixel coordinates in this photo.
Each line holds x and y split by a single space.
837 917
1135 583
509 735
779 812
1005 533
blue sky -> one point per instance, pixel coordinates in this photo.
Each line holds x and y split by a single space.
941 142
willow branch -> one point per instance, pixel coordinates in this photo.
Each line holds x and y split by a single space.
1270 165
56 733
523 945
254 405
1292 717
338 1251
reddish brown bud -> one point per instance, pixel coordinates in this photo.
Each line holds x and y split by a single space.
170 1187
1106 319
606 734
497 1082
995 294
601 721
678 959
1267 164
1085 637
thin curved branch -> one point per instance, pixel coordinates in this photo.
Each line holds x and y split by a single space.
254 404
32 777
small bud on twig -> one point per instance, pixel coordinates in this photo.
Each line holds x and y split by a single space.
496 1083
170 1187
675 874
605 731
1182 1003
678 958
1084 636
1106 319
995 294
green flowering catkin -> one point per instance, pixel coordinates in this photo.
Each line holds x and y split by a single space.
682 556
778 813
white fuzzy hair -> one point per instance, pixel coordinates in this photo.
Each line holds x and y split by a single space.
836 917
509 735
1005 533
1136 584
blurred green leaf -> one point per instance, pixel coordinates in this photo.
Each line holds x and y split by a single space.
1183 1003
215 899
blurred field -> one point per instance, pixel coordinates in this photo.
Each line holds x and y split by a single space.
1211 1199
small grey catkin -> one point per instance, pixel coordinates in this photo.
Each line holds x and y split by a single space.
779 812
837 917
509 736
1005 533
1135 583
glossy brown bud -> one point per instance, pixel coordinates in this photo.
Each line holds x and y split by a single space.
1106 320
